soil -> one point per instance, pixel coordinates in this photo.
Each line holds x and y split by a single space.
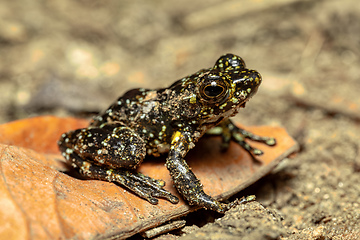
74 58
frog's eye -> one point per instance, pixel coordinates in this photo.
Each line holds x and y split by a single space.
213 91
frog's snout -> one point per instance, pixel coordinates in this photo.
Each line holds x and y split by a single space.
247 84
251 79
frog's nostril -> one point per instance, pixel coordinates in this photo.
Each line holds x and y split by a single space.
255 77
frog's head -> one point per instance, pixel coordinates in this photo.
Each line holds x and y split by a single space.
226 87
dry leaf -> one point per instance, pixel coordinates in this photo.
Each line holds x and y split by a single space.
39 201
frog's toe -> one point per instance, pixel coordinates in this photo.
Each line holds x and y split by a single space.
257 152
152 193
270 141
173 199
167 195
144 178
152 200
250 149
149 188
242 200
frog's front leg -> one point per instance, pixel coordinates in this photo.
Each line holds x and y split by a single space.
229 131
187 184
111 152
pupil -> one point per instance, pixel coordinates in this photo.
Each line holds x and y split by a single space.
213 91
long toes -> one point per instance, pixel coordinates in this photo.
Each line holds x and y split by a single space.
145 179
150 189
267 140
166 195
250 149
171 198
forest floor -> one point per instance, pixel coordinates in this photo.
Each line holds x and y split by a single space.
73 58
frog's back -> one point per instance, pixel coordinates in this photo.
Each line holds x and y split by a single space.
144 111
125 109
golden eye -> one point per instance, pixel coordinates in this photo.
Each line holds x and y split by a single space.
212 90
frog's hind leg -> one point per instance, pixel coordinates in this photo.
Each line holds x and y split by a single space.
112 152
143 186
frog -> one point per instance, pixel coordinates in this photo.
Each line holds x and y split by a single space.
167 121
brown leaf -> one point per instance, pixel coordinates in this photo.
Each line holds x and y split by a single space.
38 133
38 201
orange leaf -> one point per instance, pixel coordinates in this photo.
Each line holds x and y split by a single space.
38 133
38 201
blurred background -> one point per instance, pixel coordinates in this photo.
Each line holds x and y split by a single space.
74 58
70 57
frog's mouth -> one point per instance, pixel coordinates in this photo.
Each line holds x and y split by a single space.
214 123
230 113
242 105
237 108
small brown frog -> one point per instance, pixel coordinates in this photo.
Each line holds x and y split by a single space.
169 120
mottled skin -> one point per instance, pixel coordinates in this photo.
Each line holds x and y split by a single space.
169 120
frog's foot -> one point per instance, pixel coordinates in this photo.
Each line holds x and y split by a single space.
143 186
239 135
242 200
209 203
229 131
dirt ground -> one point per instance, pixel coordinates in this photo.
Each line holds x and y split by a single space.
73 58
